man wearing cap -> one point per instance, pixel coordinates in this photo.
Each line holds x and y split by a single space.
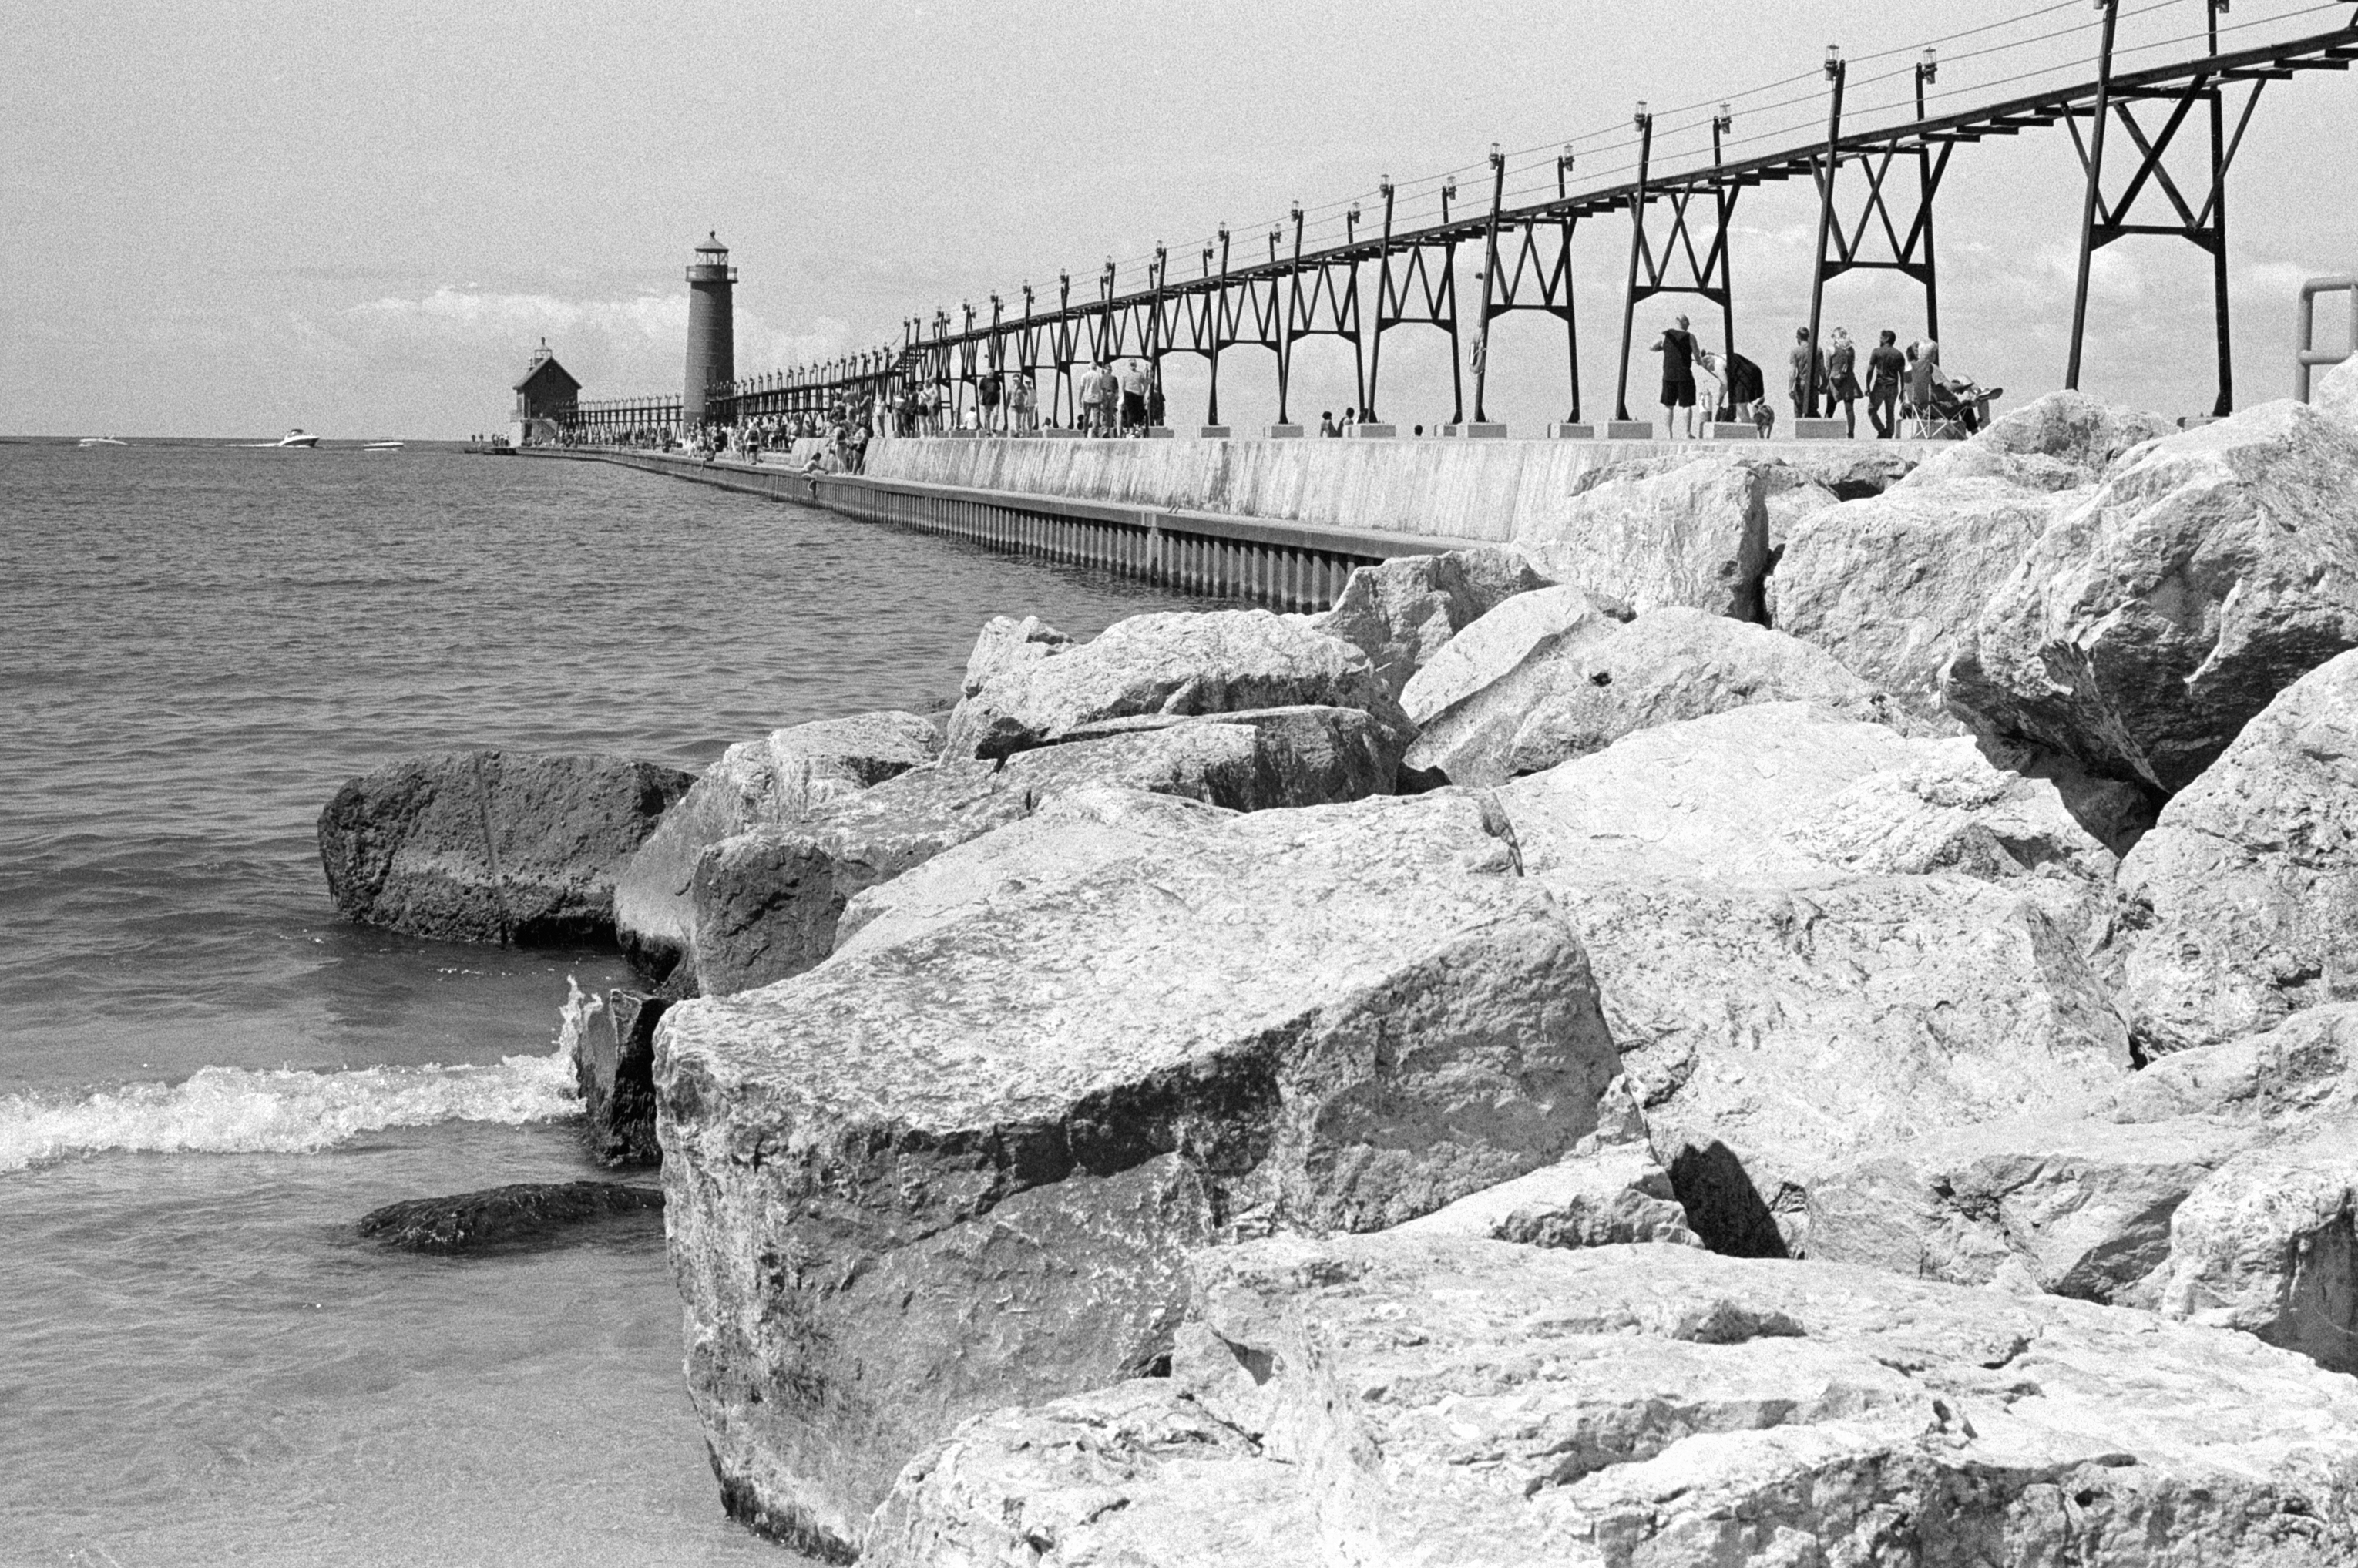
1677 347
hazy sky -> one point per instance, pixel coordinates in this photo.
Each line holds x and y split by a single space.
229 218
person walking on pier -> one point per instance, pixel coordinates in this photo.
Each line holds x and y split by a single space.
1098 390
1677 347
986 392
1885 366
1134 380
1841 379
1809 373
1022 408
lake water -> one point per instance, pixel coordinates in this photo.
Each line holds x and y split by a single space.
206 1077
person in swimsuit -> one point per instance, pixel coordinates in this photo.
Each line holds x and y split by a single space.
1677 347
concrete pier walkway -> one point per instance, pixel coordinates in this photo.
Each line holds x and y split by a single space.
1276 523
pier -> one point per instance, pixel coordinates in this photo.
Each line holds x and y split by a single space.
1279 524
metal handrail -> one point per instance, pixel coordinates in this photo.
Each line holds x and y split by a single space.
2306 354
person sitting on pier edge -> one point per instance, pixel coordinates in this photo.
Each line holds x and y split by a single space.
1326 421
1885 366
1134 398
1841 379
1808 373
1677 347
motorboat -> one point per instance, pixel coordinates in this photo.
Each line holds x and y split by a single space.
101 441
295 439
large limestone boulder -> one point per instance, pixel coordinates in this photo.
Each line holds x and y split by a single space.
1890 585
1780 1004
2251 875
2335 393
1604 1196
1396 1399
927 1180
1400 611
2268 1244
2211 569
756 783
1663 530
1576 693
1177 664
2062 441
767 903
492 846
2086 1200
1527 627
1067 836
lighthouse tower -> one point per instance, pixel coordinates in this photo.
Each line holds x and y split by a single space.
712 326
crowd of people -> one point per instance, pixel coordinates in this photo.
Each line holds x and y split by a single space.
1124 398
1896 386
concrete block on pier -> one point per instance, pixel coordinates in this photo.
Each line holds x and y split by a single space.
1284 432
1732 430
1374 432
1470 431
1215 432
1567 431
1629 430
1158 432
1055 435
1820 430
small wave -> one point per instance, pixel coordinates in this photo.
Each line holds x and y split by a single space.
241 1110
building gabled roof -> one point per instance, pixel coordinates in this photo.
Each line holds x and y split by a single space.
545 371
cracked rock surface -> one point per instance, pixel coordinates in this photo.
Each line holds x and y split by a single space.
1390 1399
935 1176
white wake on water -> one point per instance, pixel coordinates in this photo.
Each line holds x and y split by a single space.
242 1110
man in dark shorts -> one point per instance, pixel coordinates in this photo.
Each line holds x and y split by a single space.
1677 347
1885 367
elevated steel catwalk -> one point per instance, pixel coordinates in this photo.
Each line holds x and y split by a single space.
1300 292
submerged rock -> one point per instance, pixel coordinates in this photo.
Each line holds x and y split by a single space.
1179 665
492 846
1402 611
1396 1399
614 1065
529 1214
776 779
2251 876
767 903
932 1177
1581 691
2211 569
1659 532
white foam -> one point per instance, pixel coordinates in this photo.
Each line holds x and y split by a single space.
239 1110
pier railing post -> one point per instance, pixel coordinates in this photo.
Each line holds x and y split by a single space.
2091 206
1837 73
1645 124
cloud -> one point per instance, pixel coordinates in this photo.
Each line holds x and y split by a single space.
617 346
